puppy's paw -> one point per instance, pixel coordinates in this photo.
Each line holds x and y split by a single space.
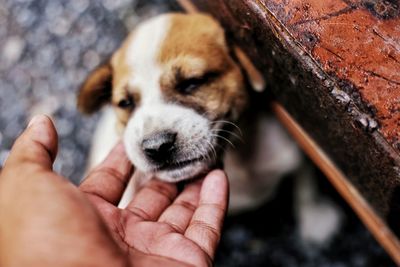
318 222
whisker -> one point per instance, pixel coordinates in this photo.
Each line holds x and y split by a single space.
200 147
240 138
230 123
206 156
223 138
212 149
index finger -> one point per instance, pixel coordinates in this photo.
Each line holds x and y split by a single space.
109 179
206 224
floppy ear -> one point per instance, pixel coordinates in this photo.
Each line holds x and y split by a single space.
96 90
253 74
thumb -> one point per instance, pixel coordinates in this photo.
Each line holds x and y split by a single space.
36 145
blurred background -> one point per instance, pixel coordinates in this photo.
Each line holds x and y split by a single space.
47 48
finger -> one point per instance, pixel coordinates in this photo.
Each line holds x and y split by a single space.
179 214
152 200
109 179
206 224
144 259
36 146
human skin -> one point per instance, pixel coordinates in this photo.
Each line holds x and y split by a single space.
47 221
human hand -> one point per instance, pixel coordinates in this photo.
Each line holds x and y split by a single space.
159 222
46 221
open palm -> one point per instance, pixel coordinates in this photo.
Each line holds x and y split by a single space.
160 224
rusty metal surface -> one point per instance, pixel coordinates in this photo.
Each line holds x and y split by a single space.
335 66
357 41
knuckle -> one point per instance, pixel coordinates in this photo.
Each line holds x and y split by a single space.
210 229
166 190
140 213
186 205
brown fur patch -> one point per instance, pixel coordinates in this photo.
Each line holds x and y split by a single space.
124 114
122 72
96 90
194 46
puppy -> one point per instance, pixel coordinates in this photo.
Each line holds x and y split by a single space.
180 100
177 91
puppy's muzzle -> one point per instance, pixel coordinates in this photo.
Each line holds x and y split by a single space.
159 148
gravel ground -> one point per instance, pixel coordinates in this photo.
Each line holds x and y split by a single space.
47 47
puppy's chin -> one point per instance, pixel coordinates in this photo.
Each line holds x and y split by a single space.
184 173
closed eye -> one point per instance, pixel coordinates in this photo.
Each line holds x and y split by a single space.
189 85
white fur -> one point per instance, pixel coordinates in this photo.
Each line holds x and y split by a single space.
193 134
319 219
152 113
141 56
104 139
128 194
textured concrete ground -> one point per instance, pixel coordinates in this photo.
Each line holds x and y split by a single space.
47 47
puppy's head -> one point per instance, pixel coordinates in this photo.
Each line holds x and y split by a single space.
174 85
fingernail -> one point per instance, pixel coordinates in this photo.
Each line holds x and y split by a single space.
41 129
217 174
36 120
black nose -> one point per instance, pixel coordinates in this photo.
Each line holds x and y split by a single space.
159 147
